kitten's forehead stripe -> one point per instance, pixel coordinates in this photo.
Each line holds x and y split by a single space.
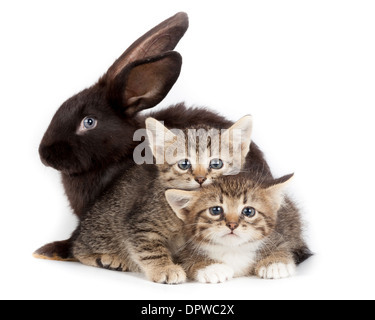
223 192
221 199
245 197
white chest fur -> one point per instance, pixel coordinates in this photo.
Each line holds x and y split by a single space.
240 258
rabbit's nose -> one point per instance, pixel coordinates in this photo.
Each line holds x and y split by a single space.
44 161
44 155
54 155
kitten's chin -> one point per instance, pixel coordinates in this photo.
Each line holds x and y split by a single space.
230 239
188 186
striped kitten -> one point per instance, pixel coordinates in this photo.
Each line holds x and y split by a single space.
237 227
192 158
132 227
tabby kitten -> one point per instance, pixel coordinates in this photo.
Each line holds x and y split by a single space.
191 158
132 227
239 227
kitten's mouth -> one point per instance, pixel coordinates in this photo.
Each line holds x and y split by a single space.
231 234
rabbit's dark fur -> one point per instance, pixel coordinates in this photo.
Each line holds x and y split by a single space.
90 163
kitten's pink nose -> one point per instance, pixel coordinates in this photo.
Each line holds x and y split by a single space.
232 225
200 180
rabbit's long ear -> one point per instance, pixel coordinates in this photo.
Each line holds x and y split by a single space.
144 83
164 37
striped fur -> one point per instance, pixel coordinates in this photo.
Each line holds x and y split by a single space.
132 227
268 244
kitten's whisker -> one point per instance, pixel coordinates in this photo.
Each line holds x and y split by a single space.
200 243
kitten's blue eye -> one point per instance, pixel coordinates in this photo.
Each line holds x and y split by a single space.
89 123
184 164
249 212
216 211
216 164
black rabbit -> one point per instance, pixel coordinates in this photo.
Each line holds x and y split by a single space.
90 138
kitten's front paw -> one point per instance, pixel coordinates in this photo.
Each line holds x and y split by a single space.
111 262
172 274
277 271
215 273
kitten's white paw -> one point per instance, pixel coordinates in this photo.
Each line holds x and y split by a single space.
215 273
277 271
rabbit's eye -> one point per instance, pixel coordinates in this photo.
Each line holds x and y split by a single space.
88 123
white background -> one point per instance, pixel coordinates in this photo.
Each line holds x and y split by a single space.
305 70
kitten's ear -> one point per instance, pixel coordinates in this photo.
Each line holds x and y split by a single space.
180 201
243 126
277 187
159 136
